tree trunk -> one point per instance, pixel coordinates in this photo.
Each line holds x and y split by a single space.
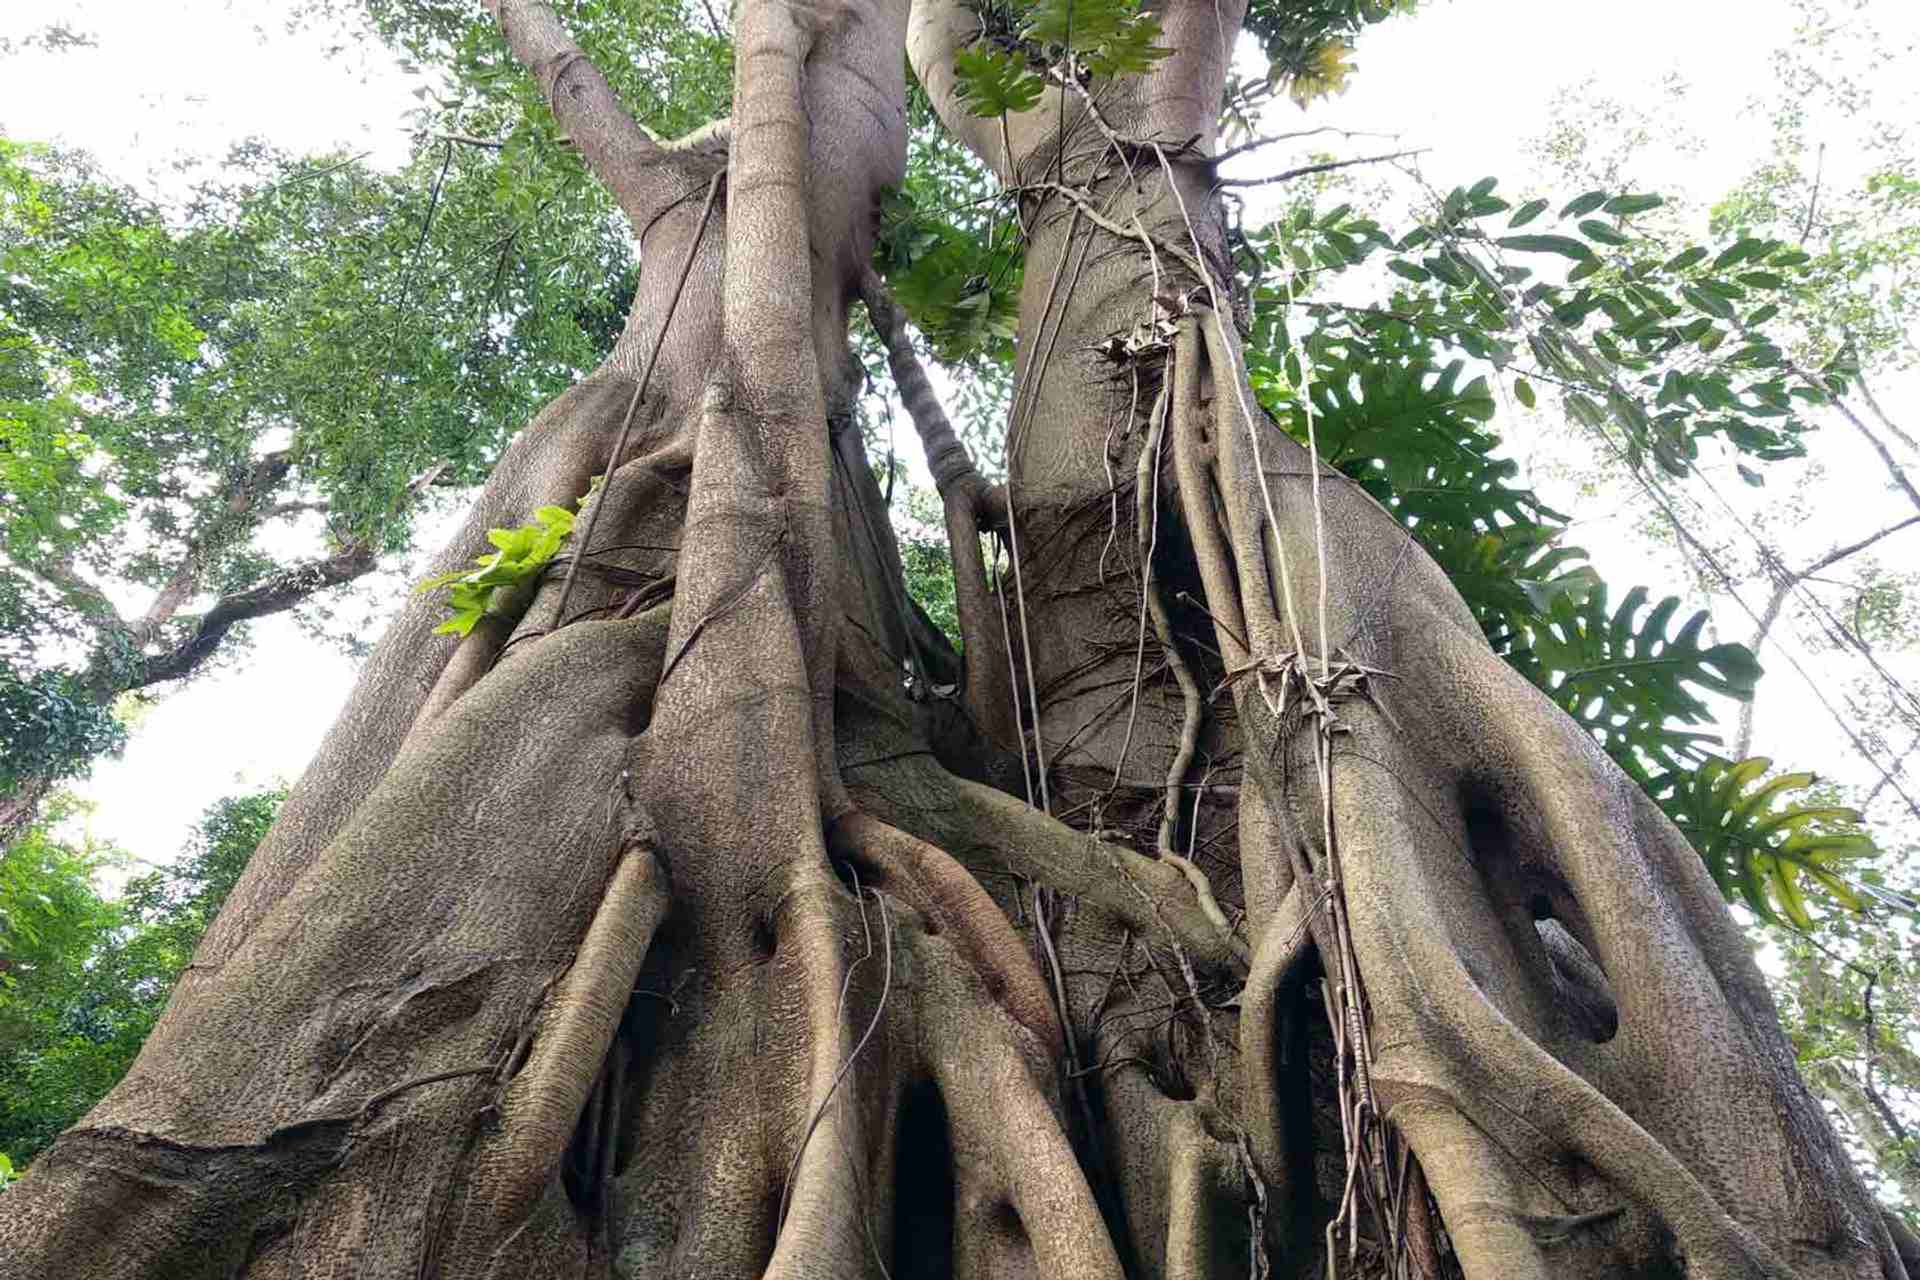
666 930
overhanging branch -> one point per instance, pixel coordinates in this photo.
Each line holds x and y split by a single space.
276 593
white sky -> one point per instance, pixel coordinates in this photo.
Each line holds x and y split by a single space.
1471 79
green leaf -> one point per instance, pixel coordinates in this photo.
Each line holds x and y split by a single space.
1758 846
1740 251
1684 259
1628 206
1523 392
1707 302
1565 246
995 82
522 553
1407 270
1581 206
1594 229
1527 213
1630 682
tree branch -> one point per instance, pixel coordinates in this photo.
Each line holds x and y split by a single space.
1743 740
276 593
618 151
947 458
1893 430
1287 175
83 595
1894 469
1268 140
262 477
969 501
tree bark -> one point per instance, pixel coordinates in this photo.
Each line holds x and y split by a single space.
691 939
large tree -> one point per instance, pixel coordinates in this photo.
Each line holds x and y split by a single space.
698 911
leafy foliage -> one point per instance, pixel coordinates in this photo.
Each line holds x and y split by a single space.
1309 49
285 352
1849 996
1007 69
926 561
1759 844
82 977
1628 681
965 301
51 728
520 554
1392 408
996 81
1665 347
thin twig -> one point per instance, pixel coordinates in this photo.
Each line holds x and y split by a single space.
1268 140
1327 166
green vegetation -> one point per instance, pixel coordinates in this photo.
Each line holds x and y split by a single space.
83 977
311 345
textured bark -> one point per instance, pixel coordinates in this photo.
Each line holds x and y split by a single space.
695 940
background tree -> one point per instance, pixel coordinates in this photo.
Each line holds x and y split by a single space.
84 978
229 409
661 937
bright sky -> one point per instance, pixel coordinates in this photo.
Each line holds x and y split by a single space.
1473 80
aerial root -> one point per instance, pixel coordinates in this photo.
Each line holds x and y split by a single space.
953 903
1487 1207
989 1240
1011 1154
1259 557
1194 473
1151 897
1147 530
968 501
818 1229
544 1102
1484 1061
1278 964
1202 891
1205 1203
1419 1229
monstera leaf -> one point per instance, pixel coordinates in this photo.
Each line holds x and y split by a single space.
1631 684
1759 844
995 81
1511 577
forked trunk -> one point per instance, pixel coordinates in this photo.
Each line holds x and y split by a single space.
678 922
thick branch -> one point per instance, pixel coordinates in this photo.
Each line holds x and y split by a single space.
1152 897
620 152
947 458
276 593
81 594
969 502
